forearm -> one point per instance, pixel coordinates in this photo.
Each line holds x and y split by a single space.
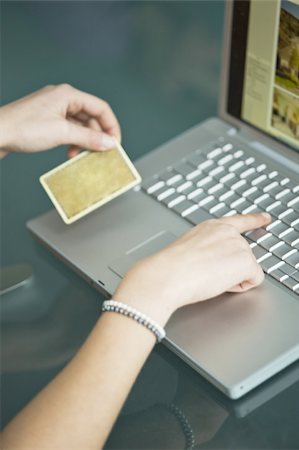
79 407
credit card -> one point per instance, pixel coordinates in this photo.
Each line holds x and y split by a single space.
88 181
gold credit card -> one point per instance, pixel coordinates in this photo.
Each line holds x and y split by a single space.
88 181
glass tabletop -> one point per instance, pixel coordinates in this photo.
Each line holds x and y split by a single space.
158 65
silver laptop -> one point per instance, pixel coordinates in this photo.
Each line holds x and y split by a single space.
247 160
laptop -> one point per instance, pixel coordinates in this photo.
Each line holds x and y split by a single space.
245 160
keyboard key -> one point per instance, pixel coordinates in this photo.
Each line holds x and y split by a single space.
227 177
239 184
255 195
270 243
233 166
251 209
296 276
258 235
295 206
208 205
271 263
174 179
261 167
247 172
225 160
250 160
238 202
287 269
216 188
283 251
260 253
291 218
152 185
182 206
166 193
217 207
197 195
217 173
292 237
293 260
232 212
159 191
293 186
204 181
279 192
206 200
207 165
290 198
227 147
260 198
221 212
266 202
279 275
280 211
270 186
241 188
171 202
281 179
215 152
278 228
258 179
291 284
189 210
238 154
224 195
185 186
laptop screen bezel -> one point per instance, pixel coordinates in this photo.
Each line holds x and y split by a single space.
253 133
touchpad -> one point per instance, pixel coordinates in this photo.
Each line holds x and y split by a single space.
151 245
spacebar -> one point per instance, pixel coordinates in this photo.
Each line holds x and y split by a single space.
198 216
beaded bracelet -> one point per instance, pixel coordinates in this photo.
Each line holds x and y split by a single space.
126 310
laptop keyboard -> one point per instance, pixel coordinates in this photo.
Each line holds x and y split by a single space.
226 180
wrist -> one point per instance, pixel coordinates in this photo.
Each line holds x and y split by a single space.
135 291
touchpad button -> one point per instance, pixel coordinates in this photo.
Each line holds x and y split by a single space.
148 247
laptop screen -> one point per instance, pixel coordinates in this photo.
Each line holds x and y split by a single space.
263 85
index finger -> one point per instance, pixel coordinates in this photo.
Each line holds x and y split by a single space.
247 222
95 107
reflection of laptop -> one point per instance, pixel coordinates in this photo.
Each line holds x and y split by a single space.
245 161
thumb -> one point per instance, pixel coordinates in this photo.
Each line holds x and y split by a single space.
88 138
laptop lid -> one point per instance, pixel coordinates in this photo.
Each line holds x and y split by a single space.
260 75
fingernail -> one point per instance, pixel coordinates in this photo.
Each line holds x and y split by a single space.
266 216
107 141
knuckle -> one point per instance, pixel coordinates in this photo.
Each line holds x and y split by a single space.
228 230
105 104
64 87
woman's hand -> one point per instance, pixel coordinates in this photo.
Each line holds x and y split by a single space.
57 115
210 259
